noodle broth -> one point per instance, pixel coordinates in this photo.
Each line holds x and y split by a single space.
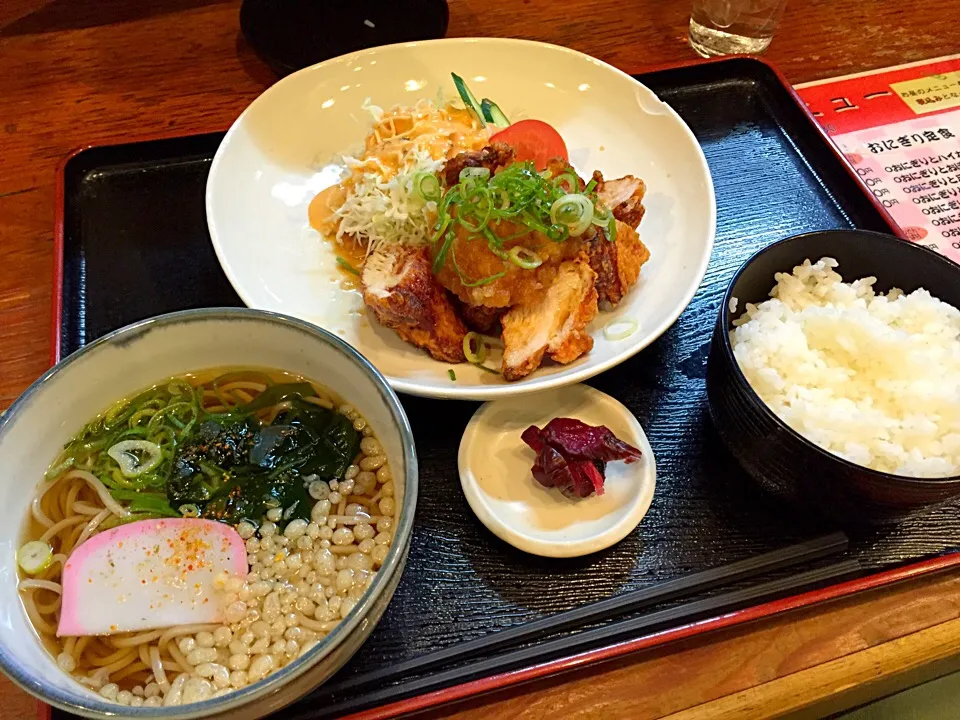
317 524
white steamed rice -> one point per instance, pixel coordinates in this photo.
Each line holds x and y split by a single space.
872 378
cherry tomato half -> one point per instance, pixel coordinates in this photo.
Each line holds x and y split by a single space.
533 140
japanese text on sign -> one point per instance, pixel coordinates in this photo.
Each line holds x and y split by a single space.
900 129
912 168
905 141
929 93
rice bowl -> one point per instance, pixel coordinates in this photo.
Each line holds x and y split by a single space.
776 456
873 378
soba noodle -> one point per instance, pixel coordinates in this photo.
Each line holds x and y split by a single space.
304 578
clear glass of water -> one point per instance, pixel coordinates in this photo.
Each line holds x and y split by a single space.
733 27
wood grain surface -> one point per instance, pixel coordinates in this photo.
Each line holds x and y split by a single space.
84 72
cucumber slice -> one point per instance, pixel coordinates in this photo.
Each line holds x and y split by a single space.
493 114
468 98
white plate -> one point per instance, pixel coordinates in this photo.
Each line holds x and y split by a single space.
279 154
495 473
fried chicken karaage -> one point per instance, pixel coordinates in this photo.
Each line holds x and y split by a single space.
463 234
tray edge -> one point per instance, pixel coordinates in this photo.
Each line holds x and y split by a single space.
770 609
504 680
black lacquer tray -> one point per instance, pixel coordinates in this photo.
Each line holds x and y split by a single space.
133 242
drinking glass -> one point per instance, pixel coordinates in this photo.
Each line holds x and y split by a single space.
733 27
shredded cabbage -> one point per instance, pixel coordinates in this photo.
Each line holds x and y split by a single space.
390 211
376 112
383 204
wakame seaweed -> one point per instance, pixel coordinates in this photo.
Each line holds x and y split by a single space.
247 494
312 439
232 468
228 464
203 459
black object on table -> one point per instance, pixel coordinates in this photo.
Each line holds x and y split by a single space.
291 34
136 245
805 553
781 460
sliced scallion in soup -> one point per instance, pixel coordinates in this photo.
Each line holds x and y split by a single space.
296 480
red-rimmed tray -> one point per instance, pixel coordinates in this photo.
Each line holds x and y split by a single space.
132 242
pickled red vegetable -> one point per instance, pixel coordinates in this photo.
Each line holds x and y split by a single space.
572 456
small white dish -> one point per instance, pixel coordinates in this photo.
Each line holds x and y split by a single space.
283 150
495 473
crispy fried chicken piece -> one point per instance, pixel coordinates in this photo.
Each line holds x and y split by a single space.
617 264
478 317
558 166
495 155
553 325
624 196
401 290
476 262
518 286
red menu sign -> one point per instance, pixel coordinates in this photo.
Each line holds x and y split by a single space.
900 128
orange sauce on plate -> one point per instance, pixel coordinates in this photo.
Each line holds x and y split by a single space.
440 132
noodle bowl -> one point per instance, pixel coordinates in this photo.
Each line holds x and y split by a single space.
302 580
309 565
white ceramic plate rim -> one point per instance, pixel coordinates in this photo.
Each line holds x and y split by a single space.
566 548
533 383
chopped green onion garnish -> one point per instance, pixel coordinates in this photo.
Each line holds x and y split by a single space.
452 374
474 172
347 266
620 329
526 259
35 556
575 211
442 253
135 457
605 219
427 187
474 348
527 200
482 281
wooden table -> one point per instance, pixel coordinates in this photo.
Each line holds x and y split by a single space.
77 72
